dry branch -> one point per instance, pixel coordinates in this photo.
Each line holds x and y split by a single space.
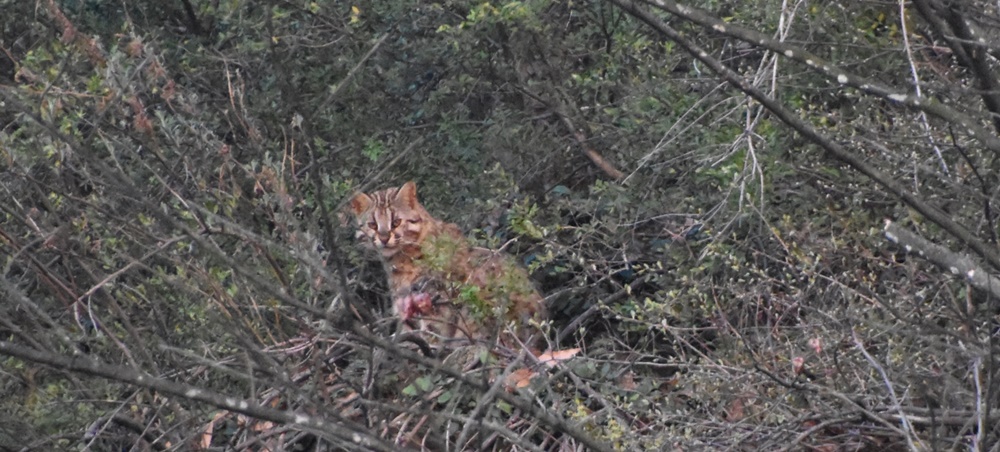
580 136
950 24
341 429
122 184
835 149
346 80
593 155
954 263
70 35
818 64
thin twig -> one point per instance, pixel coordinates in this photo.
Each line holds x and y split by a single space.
339 88
797 123
341 429
796 443
903 420
580 136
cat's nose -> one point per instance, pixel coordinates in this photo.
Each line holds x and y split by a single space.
384 238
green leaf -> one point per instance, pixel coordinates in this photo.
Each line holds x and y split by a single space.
373 149
424 383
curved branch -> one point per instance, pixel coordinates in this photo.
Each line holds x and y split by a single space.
799 125
814 62
579 134
151 436
545 416
342 430
962 38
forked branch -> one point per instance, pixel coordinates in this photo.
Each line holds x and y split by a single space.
949 23
835 149
988 138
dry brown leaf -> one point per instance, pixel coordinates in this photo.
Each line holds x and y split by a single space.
262 426
627 381
552 358
735 411
520 378
206 437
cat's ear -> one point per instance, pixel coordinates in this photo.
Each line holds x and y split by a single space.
407 194
360 204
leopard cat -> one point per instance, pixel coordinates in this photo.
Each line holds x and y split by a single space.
442 287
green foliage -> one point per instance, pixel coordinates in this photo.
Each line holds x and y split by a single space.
421 385
174 179
373 149
520 217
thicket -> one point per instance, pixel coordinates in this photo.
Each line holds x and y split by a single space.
758 225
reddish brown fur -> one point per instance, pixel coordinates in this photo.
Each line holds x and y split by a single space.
431 265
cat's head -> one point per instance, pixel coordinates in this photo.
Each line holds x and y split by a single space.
391 219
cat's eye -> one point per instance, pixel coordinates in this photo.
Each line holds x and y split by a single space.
373 225
396 222
414 221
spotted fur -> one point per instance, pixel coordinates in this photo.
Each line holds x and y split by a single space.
441 286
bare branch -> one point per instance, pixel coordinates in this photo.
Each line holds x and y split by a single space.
339 88
798 124
904 422
954 263
822 66
950 24
341 429
579 135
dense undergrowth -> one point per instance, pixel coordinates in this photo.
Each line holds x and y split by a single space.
173 181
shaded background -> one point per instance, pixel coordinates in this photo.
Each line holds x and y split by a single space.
172 174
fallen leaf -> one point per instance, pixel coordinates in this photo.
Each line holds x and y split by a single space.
262 426
520 378
554 357
627 381
735 411
206 436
